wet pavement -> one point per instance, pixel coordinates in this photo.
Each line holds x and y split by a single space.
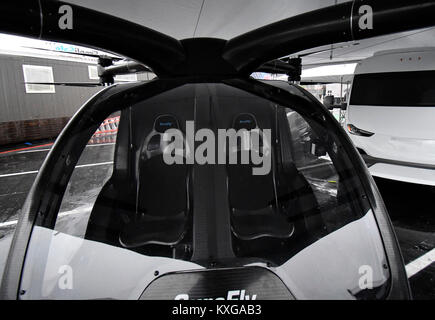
412 211
411 207
18 170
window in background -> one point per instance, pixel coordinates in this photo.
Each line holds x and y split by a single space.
93 73
38 74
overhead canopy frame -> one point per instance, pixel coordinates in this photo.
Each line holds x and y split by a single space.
239 56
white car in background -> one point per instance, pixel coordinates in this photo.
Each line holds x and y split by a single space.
391 114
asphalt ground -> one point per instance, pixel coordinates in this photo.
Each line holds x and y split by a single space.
411 207
412 210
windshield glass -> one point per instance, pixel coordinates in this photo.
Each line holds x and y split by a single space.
208 177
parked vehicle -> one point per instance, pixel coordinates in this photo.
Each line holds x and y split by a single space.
391 114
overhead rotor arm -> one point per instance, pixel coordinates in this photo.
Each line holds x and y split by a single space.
40 19
205 57
334 24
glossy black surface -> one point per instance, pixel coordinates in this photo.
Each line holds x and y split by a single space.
242 55
227 284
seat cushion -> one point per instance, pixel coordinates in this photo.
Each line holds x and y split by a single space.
162 187
265 222
248 191
147 229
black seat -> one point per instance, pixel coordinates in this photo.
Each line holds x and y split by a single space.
162 206
254 210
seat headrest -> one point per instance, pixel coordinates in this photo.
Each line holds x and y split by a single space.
245 121
165 122
154 143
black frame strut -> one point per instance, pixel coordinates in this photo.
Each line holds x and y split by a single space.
240 56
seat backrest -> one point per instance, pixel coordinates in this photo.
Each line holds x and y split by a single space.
162 188
248 191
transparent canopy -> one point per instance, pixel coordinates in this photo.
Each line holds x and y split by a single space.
279 202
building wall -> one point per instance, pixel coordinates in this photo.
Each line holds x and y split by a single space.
30 116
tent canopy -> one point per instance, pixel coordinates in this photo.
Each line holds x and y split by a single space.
223 19
226 19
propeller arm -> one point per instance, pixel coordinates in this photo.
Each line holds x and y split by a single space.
68 84
292 68
123 68
334 24
240 56
276 66
40 19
